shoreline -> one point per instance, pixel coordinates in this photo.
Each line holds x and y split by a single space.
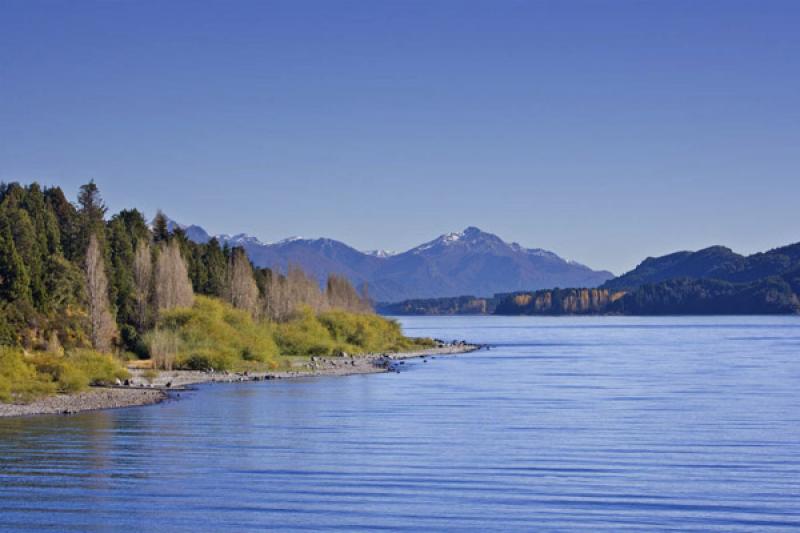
142 392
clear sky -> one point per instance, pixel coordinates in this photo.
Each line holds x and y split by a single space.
604 131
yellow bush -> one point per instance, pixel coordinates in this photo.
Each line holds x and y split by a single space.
78 369
99 368
342 331
19 380
212 334
304 335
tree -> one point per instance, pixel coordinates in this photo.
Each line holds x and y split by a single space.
303 290
216 266
14 279
172 285
92 214
241 289
142 283
160 227
275 300
102 327
67 219
340 294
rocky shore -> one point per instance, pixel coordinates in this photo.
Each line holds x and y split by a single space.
143 391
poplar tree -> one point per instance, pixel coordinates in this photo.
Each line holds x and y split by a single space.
241 289
143 284
102 327
172 285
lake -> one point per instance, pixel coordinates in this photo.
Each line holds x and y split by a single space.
600 423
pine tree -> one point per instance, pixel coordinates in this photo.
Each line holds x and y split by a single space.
91 217
122 284
14 279
160 228
66 217
215 261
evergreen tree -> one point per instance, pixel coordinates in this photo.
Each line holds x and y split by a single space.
160 228
122 285
66 217
216 265
92 212
23 235
14 280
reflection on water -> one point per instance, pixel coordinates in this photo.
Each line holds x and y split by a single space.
567 423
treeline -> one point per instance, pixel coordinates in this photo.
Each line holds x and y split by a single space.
71 277
683 296
458 305
769 296
559 302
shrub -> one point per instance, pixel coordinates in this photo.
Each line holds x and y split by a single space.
100 368
19 380
212 334
163 346
362 332
304 335
337 331
79 369
150 374
66 377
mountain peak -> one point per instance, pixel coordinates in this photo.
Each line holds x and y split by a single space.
380 253
470 261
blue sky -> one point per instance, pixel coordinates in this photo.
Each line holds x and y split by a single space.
605 131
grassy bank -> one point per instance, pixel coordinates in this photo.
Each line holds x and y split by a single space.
212 334
209 335
25 377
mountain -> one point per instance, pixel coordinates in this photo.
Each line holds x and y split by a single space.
475 262
714 280
193 233
715 262
467 262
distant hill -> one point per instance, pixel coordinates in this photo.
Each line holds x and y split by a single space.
467 262
716 262
714 280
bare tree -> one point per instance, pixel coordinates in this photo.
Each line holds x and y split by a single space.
276 301
172 285
340 294
303 290
102 327
241 290
143 282
285 294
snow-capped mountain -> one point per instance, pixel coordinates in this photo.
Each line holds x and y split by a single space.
467 262
380 253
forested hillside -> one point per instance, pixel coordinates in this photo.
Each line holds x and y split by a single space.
72 279
711 281
715 262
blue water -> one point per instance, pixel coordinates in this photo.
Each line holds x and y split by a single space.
594 424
